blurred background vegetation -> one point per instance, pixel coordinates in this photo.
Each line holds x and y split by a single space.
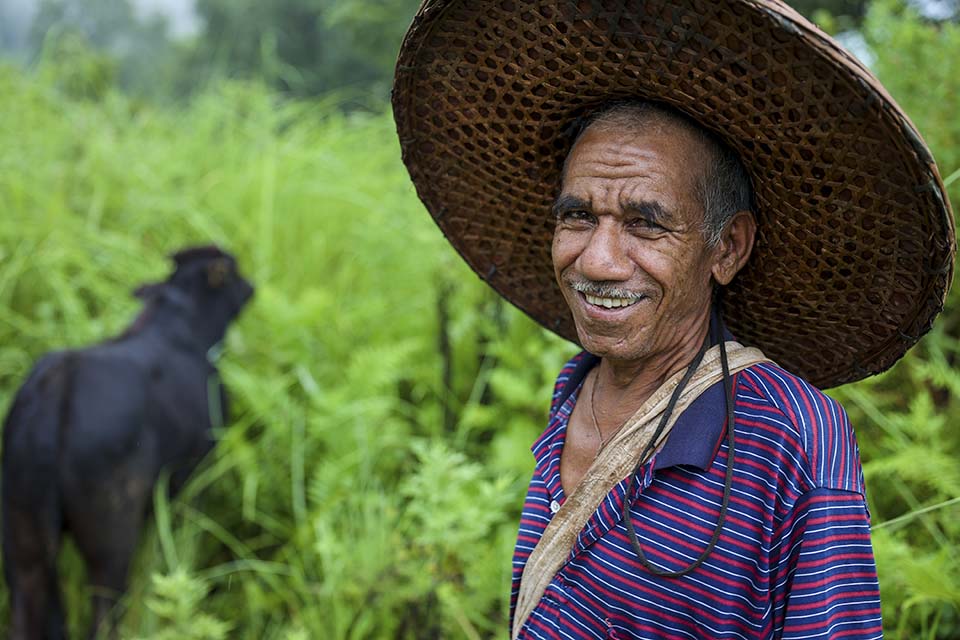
370 482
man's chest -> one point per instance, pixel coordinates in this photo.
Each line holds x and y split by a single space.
580 449
604 591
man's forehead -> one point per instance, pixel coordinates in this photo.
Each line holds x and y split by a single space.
616 158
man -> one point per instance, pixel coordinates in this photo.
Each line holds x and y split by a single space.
637 255
686 486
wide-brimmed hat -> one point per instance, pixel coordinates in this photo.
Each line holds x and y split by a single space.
855 240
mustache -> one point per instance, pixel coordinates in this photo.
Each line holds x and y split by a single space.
601 289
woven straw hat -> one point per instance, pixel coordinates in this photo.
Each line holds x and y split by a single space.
855 240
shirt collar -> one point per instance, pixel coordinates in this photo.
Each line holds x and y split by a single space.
697 433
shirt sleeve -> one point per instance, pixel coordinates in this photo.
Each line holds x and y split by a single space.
826 578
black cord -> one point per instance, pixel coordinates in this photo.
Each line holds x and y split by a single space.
728 481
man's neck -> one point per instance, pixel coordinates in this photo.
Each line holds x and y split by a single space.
623 386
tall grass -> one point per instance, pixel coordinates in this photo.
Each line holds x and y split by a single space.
358 492
369 482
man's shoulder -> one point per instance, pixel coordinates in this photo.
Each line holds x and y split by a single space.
816 422
798 399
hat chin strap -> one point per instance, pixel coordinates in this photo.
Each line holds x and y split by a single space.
716 331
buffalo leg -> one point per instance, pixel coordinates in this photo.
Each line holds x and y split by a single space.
106 530
31 541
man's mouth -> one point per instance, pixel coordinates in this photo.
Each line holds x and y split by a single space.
611 303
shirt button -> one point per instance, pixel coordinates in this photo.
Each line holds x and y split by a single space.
554 506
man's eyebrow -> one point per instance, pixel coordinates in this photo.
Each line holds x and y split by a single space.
650 210
569 203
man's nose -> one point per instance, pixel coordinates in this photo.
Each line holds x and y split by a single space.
605 258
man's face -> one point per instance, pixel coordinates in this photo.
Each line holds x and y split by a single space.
629 250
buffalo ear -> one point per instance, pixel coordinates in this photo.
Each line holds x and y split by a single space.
217 273
149 290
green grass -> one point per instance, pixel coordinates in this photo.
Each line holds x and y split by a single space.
338 503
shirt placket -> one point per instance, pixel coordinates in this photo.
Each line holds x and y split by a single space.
608 514
610 511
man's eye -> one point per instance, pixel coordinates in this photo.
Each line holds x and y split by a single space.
643 224
574 216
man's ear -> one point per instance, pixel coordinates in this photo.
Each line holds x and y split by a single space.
733 249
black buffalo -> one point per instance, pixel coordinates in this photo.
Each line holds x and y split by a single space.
90 430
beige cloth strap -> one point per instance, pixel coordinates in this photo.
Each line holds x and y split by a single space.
614 463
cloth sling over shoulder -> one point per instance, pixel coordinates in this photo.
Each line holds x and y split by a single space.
618 459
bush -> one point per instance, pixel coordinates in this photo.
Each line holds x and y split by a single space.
331 507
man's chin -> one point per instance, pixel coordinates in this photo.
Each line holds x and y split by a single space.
612 346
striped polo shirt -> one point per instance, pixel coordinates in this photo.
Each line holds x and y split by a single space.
794 558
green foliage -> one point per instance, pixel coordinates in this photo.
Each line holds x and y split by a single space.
832 15
304 47
841 15
176 599
99 41
299 47
905 424
73 66
330 507
904 45
102 22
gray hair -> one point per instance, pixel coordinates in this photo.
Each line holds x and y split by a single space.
723 187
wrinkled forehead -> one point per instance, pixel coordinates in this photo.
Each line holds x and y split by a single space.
624 161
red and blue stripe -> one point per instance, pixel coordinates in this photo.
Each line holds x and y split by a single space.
794 559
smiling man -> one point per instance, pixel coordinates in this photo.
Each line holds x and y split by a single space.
637 256
665 183
780 549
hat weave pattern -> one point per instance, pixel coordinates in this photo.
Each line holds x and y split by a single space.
855 241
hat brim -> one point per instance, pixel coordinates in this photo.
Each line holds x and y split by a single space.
855 243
